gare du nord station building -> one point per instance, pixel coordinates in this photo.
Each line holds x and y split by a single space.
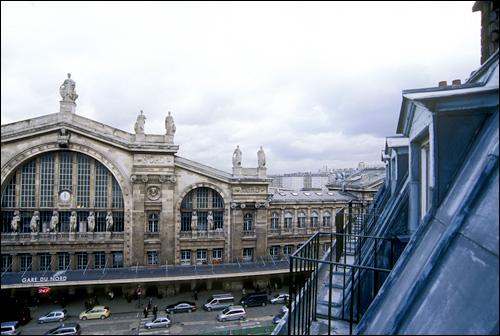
88 207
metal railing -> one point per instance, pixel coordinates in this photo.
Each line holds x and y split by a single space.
353 268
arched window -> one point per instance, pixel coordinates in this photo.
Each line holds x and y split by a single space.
201 206
326 219
288 220
302 220
83 185
275 221
248 222
153 223
314 219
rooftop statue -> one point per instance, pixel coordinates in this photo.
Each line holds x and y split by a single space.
67 89
262 157
139 124
237 157
169 124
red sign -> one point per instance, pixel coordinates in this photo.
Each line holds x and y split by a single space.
43 290
138 291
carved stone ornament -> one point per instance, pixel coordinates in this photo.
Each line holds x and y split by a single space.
154 193
63 138
264 204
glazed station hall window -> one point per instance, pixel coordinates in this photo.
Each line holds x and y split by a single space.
25 262
186 257
217 256
117 259
99 260
247 254
152 258
63 259
87 185
44 262
6 263
274 252
82 260
202 209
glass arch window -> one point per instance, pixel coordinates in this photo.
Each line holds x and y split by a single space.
314 219
288 220
91 186
302 220
195 208
326 218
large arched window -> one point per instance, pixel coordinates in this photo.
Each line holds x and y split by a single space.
202 209
60 183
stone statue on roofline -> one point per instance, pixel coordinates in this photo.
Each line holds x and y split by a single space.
262 157
237 157
169 124
67 89
139 124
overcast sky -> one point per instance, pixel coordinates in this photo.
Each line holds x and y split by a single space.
314 83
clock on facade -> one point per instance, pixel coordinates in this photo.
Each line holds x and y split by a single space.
64 196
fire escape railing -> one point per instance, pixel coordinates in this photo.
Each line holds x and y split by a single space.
362 271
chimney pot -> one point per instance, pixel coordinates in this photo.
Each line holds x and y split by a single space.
443 83
457 82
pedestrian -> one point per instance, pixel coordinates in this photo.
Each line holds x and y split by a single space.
196 294
150 303
145 311
96 300
91 305
86 304
257 289
111 295
275 287
243 292
155 311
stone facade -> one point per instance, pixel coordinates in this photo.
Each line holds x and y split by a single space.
150 192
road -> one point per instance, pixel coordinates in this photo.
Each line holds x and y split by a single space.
182 323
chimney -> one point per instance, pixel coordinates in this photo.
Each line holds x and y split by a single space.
489 27
456 82
443 83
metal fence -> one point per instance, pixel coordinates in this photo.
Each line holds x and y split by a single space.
340 283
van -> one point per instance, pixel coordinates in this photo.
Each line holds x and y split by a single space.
219 301
254 299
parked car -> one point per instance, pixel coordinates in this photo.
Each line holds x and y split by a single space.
219 301
254 299
65 329
232 313
96 312
57 315
280 298
182 306
11 328
161 321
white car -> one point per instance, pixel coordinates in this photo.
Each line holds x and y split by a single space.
280 298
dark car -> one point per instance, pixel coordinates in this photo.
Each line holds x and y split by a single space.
65 329
182 306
